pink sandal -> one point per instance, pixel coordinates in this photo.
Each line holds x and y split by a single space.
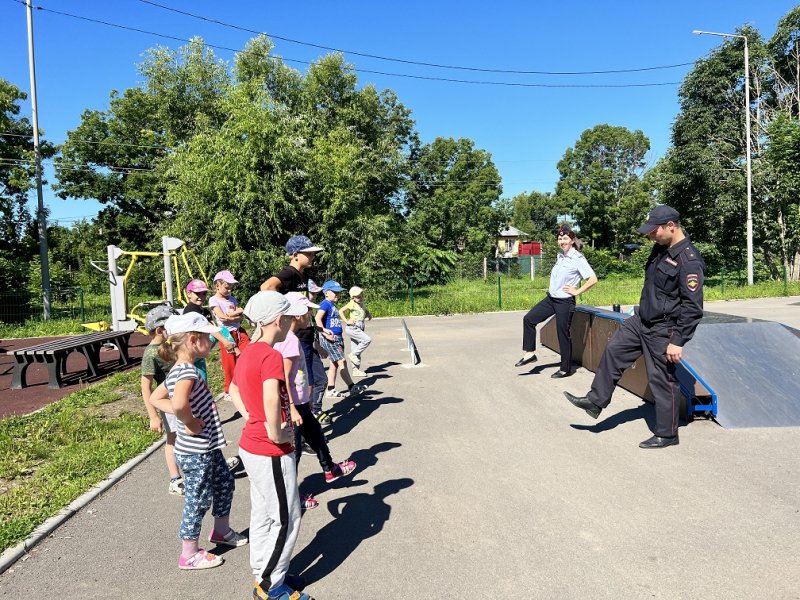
200 560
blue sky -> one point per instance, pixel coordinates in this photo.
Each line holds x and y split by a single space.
526 129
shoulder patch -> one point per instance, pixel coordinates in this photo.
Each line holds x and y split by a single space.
692 282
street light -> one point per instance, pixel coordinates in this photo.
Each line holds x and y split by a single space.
747 135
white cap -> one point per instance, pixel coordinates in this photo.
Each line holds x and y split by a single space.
189 322
265 307
355 291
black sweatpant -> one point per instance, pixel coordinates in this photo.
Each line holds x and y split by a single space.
632 340
311 432
562 308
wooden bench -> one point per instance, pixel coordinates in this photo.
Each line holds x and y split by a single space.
54 355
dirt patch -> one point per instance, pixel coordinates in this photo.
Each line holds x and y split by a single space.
129 403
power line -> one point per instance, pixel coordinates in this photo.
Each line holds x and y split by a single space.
369 71
406 61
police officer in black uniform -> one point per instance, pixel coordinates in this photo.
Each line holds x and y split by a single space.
670 309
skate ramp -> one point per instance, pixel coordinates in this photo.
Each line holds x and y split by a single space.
753 368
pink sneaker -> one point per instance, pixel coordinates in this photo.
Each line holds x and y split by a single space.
307 501
200 560
340 470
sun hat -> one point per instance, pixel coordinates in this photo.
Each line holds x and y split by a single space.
658 216
298 298
355 291
197 286
189 322
300 243
156 317
225 276
332 286
313 287
265 307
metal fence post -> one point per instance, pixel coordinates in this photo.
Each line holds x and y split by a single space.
499 293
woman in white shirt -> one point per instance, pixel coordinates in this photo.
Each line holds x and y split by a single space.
570 269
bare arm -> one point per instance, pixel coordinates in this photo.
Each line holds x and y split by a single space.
272 284
272 411
152 413
160 399
236 398
288 363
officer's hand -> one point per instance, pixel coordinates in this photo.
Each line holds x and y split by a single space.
570 289
674 353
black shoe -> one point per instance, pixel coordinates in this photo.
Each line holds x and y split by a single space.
583 402
561 374
659 442
524 361
308 450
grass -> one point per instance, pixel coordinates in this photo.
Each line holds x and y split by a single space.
471 296
49 458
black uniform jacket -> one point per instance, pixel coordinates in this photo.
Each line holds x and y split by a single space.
673 289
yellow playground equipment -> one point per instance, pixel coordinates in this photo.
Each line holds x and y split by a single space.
180 266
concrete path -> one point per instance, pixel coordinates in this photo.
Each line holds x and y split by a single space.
477 480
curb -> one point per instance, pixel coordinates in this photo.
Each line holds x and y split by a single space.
12 555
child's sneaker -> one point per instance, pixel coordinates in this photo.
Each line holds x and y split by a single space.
322 417
307 501
354 359
283 592
357 388
308 449
356 372
343 468
335 394
232 539
176 487
233 463
200 560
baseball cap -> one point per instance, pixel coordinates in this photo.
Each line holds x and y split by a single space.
225 276
355 291
313 287
566 230
265 307
196 286
658 216
156 317
331 286
298 298
189 322
300 243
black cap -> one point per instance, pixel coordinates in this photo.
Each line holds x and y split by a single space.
566 230
658 216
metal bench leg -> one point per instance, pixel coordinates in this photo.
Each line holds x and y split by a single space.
19 379
92 354
124 355
54 364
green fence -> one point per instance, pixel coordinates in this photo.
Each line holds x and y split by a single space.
65 303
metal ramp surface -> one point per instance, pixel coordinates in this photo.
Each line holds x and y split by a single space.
751 366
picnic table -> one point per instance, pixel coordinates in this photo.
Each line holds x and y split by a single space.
54 355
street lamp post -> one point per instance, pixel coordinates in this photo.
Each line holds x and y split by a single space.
747 135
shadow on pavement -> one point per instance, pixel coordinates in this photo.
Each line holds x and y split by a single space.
356 517
350 411
539 368
642 412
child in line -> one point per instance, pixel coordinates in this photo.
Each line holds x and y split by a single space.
354 314
229 317
266 446
199 441
293 277
155 369
306 426
330 324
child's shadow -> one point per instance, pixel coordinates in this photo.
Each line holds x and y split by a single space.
356 518
348 412
364 459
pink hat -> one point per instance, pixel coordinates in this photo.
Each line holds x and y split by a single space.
225 276
197 286
298 298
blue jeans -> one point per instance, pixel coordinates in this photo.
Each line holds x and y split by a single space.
207 479
319 377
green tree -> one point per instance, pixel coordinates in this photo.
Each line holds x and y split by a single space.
452 197
18 237
602 186
536 214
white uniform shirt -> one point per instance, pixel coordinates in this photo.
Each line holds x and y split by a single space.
570 269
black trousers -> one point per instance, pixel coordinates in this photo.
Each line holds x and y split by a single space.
632 340
311 432
562 308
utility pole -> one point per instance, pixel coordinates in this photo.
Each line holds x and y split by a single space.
41 215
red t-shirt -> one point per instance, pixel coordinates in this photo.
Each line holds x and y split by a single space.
258 363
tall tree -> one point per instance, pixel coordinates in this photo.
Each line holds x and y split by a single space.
18 238
601 184
536 214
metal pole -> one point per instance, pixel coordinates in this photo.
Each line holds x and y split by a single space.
749 166
41 215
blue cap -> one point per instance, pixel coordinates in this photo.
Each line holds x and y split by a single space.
332 286
300 243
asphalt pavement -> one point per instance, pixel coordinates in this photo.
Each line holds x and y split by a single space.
476 480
